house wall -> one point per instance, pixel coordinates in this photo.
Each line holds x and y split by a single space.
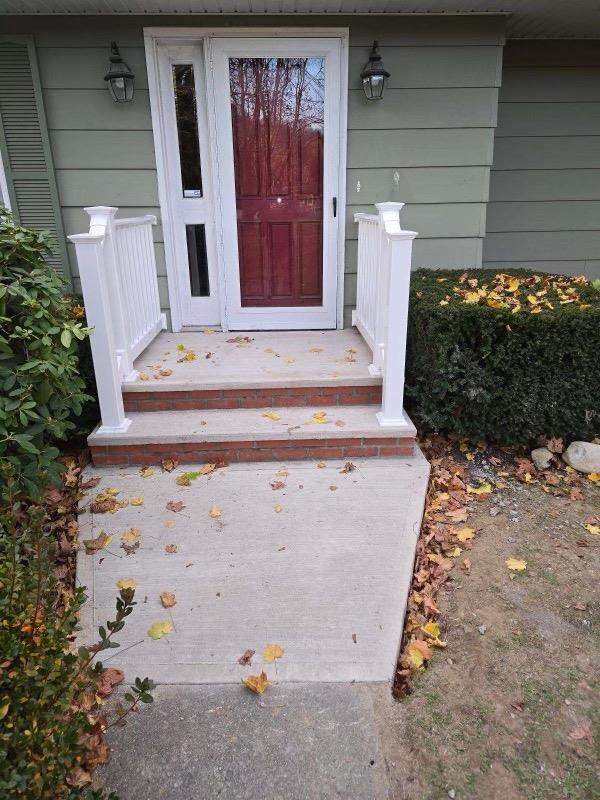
544 209
429 143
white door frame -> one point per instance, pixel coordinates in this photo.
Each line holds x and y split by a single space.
231 316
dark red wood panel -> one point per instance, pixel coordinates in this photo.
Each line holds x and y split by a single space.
277 107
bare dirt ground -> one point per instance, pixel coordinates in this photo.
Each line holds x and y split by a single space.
511 708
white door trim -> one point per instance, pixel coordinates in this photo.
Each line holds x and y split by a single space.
153 38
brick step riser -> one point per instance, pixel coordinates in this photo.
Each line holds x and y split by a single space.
208 399
235 452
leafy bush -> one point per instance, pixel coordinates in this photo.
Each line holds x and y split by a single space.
40 388
51 722
505 357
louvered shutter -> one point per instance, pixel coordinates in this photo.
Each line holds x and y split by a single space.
25 147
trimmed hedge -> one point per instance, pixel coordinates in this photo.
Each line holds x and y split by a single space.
480 369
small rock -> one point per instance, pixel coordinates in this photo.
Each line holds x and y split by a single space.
583 456
482 629
541 457
451 794
494 511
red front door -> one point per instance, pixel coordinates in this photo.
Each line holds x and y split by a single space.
277 108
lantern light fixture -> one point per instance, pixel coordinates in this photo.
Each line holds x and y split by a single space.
120 78
374 76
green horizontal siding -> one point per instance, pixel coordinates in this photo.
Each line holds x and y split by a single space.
545 182
429 143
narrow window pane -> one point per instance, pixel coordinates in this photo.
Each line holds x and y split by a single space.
187 129
198 263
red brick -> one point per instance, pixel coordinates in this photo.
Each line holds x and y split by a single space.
293 454
361 451
325 452
396 451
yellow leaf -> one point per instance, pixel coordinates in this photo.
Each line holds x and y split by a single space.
93 545
593 476
159 629
595 529
146 472
319 417
271 415
472 297
282 473
126 583
515 564
464 534
205 469
290 360
316 350
513 285
455 553
432 628
180 347
167 599
214 511
256 683
271 652
137 501
208 331
277 508
485 488
130 535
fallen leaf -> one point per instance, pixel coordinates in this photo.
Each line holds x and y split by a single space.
593 476
214 511
167 599
246 658
256 683
290 360
483 489
595 529
137 501
271 652
339 423
282 473
580 606
130 535
277 508
175 505
160 629
315 350
321 465
170 548
457 515
581 731
126 583
432 628
169 464
108 679
146 472
93 545
277 485
464 534
169 523
515 564
271 415
319 417
206 469
348 467
466 566
333 488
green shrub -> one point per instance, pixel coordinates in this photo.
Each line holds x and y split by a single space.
40 388
51 721
505 357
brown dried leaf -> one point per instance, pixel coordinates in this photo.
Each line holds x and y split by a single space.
175 506
256 683
167 599
348 467
169 464
246 658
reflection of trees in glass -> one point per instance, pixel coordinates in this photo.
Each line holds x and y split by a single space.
277 109
187 126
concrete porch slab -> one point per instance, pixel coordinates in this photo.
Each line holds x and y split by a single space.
269 359
326 576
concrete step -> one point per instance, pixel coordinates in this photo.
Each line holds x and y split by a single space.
252 370
243 434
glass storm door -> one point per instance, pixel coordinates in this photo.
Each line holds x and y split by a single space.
278 167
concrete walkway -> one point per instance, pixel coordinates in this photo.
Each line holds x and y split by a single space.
310 557
295 742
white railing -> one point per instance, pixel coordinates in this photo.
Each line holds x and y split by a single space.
381 315
117 270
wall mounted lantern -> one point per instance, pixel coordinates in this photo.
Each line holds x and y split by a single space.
374 75
119 77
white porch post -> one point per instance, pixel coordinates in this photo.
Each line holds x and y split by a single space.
396 255
102 219
91 258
